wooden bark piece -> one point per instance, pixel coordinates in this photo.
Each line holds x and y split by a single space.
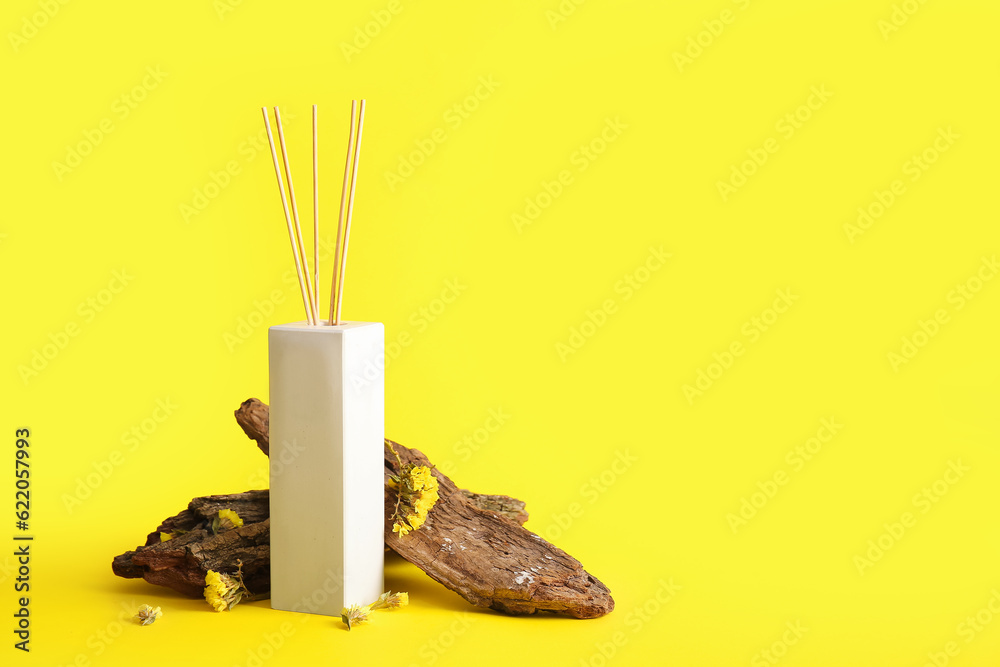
182 562
491 561
486 558
253 416
473 544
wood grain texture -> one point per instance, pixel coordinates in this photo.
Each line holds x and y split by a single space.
473 544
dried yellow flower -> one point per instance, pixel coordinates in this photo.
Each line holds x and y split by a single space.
222 591
227 520
355 615
148 615
389 600
360 613
417 492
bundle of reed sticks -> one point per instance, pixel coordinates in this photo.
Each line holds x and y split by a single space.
309 284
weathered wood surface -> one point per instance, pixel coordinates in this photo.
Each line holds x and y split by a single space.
182 562
492 561
474 544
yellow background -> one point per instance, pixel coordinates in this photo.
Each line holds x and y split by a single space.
557 80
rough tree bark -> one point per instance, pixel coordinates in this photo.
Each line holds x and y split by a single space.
474 544
182 562
254 418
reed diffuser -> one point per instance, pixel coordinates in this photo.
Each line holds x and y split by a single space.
326 418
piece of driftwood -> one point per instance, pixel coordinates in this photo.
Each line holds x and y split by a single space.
473 544
253 416
182 562
492 561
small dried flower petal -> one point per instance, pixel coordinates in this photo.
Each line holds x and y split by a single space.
417 492
390 600
148 615
226 520
222 591
355 615
215 590
230 519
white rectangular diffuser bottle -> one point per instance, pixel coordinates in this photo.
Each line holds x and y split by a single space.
326 435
